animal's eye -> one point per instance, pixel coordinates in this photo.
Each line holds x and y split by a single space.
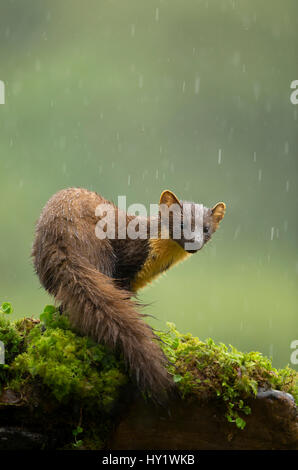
206 229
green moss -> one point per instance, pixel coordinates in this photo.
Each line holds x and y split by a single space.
12 341
70 366
74 369
74 379
206 370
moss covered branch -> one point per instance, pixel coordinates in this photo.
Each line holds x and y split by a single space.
79 390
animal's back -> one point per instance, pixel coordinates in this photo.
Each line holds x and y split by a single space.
77 268
67 225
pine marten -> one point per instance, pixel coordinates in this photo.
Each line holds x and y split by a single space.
94 279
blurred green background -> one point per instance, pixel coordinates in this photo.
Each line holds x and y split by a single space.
138 96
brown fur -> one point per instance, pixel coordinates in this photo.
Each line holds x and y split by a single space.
94 279
78 269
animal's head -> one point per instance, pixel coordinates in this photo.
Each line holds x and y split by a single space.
190 224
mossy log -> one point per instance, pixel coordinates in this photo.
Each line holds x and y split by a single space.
273 424
62 391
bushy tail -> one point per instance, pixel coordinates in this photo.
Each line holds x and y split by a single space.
99 309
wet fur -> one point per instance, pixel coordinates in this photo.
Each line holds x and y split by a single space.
94 281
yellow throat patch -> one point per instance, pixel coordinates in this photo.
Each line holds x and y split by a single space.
163 254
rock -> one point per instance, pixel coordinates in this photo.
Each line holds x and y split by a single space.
18 438
97 407
10 397
187 425
272 424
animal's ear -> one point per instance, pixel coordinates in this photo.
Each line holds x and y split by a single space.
168 198
218 212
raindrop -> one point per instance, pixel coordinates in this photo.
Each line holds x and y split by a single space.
286 148
157 14
236 58
197 85
287 186
271 351
37 65
260 174
272 233
237 231
132 30
231 133
16 89
257 90
183 86
219 156
141 81
128 180
255 156
62 142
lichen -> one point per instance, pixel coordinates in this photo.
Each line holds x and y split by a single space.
204 370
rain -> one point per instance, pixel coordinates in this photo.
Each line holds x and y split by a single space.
134 99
